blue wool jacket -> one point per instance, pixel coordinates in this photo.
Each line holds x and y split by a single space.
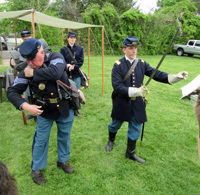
121 105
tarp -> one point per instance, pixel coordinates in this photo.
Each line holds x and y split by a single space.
26 15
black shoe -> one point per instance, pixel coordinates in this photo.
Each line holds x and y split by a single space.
38 177
109 146
66 167
135 158
130 152
29 117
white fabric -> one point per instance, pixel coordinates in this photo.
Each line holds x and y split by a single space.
26 15
191 87
135 92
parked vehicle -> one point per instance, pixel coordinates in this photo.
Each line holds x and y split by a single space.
3 44
192 48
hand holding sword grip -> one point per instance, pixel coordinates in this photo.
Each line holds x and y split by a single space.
142 90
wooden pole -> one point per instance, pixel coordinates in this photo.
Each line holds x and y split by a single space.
89 57
62 37
102 60
33 24
15 34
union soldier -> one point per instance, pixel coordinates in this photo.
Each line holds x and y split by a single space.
128 104
50 104
70 50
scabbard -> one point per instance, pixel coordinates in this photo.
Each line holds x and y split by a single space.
142 133
24 117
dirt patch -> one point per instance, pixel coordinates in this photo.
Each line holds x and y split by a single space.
6 62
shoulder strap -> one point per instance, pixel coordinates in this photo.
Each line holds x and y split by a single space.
132 67
69 52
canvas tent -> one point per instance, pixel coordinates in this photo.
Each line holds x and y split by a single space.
40 18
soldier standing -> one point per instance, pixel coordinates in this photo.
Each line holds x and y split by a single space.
128 104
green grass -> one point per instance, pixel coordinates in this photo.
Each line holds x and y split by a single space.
169 144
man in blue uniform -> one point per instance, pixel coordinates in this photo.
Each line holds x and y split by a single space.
128 104
50 104
70 50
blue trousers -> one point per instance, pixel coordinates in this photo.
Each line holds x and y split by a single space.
78 82
134 128
41 140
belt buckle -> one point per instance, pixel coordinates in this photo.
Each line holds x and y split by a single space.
133 98
53 101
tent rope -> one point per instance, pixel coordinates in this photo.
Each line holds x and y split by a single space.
110 44
38 25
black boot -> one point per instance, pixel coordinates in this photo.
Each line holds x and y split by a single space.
111 140
130 152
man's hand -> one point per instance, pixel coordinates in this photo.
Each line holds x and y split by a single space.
174 78
142 90
70 66
12 62
32 109
135 92
182 75
28 72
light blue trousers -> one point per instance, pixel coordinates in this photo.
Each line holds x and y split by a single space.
134 128
41 140
78 82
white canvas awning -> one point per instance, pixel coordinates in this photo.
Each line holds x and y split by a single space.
40 18
26 15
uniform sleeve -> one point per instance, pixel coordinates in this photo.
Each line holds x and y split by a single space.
14 92
54 71
117 79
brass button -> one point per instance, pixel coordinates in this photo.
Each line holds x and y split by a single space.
133 77
51 93
133 81
57 105
133 85
132 70
133 74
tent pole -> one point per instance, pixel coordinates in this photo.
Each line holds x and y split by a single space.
62 37
33 24
88 56
102 60
15 34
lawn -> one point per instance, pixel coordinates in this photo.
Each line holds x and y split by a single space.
169 144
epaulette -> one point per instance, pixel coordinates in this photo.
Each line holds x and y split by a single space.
142 61
117 62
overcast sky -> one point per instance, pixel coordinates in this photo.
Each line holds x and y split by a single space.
144 5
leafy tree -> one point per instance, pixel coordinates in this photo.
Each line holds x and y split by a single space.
167 3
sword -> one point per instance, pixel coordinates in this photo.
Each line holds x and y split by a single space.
154 72
162 57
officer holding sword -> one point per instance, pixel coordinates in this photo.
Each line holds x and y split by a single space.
128 104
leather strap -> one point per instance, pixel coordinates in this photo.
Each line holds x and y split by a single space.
132 67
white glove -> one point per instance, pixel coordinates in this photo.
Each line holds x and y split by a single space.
135 92
173 78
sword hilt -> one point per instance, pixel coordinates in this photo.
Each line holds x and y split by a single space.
145 89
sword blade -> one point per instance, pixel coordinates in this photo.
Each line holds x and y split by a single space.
163 57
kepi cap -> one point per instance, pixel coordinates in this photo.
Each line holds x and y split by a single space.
71 34
130 41
25 33
29 48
